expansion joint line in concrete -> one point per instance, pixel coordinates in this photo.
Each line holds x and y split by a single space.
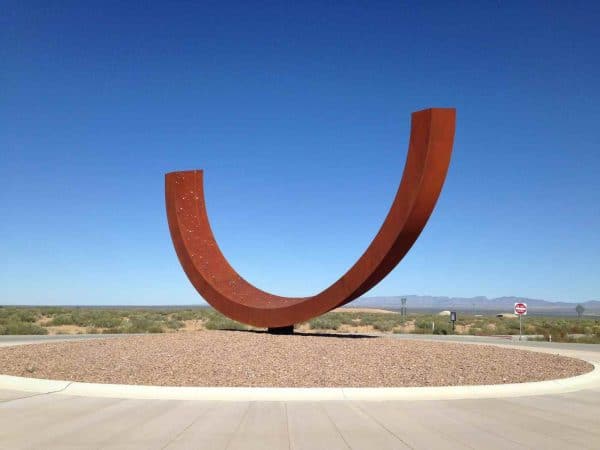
381 424
187 427
336 428
38 394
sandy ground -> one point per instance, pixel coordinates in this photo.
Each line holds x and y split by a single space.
364 310
243 358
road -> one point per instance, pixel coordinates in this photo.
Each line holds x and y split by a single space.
56 421
6 341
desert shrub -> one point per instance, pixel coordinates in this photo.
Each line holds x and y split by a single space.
97 318
19 315
475 331
51 311
381 321
423 324
143 325
559 334
14 327
585 339
512 326
14 320
174 324
188 314
217 321
116 330
442 327
592 339
156 316
28 315
420 331
325 322
577 327
62 319
385 325
136 326
502 328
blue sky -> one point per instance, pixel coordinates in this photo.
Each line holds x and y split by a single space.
299 114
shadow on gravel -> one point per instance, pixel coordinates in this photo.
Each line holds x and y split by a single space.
305 333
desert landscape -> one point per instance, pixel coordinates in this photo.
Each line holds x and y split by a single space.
133 320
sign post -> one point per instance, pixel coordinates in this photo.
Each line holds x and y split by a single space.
453 319
520 310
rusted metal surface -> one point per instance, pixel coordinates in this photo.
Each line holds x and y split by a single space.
430 148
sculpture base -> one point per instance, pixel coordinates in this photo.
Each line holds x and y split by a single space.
282 330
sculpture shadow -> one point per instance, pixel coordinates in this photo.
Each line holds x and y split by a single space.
305 333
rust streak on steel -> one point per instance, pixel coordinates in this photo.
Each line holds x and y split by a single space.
430 148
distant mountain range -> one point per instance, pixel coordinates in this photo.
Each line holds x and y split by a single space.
475 304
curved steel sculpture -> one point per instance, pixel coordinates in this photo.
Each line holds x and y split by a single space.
430 148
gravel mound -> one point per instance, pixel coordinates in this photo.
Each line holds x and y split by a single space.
242 358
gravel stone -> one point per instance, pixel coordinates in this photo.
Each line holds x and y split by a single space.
245 358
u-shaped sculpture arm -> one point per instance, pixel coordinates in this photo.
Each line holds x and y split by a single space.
430 148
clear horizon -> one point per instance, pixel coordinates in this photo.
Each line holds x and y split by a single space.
201 302
300 117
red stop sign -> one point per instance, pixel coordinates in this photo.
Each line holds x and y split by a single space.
520 308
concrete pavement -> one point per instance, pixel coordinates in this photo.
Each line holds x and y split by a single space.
58 422
55 421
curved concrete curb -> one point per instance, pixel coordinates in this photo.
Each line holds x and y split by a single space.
590 379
